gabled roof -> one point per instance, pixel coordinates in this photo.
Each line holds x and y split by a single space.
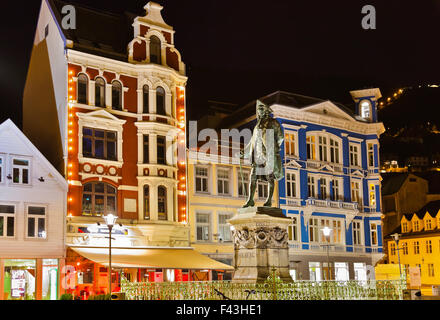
284 98
392 182
9 125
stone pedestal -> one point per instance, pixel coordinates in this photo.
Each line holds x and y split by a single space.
260 244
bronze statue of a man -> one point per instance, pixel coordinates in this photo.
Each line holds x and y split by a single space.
263 150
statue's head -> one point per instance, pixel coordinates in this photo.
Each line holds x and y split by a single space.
263 110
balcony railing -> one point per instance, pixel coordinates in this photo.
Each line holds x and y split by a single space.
333 204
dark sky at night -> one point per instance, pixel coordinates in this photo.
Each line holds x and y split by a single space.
237 51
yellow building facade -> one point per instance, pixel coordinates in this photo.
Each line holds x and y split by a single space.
419 244
216 189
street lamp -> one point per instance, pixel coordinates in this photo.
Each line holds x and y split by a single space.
396 239
326 231
110 222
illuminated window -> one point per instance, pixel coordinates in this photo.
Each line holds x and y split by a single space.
223 227
20 171
99 198
292 230
83 84
430 270
98 143
99 92
416 225
162 203
289 143
290 185
146 202
372 195
311 147
354 155
373 234
404 227
7 220
416 247
36 222
337 231
145 99
355 192
155 50
116 95
365 109
428 224
405 248
160 101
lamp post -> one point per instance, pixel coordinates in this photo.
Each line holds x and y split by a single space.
110 222
396 239
326 231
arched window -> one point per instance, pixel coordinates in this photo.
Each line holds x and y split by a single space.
365 109
116 95
146 96
99 198
146 202
83 82
155 50
99 92
160 101
162 203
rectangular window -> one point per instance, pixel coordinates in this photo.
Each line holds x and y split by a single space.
335 190
223 227
289 143
243 184
161 150
354 155
430 270
405 248
291 185
311 148
36 217
311 187
337 231
392 249
428 246
203 227
201 179
372 195
20 171
416 225
428 225
293 230
357 240
355 192
7 220
223 181
100 144
416 247
323 189
322 142
370 154
263 189
334 151
313 230
404 227
373 233
146 149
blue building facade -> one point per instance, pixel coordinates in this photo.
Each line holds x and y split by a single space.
331 183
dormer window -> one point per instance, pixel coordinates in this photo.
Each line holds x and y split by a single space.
365 107
404 227
155 49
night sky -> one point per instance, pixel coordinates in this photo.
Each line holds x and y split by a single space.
237 51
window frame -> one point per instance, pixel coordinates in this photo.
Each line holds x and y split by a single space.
21 168
291 144
105 142
145 204
5 220
102 91
86 83
225 181
359 231
37 217
264 187
204 224
161 156
146 99
117 84
198 176
293 230
289 182
224 225
374 231
157 45
243 185
163 216
311 186
164 105
320 145
354 155
105 194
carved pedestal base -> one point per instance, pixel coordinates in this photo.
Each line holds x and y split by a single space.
260 244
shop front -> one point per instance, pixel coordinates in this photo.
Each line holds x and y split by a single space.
89 267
